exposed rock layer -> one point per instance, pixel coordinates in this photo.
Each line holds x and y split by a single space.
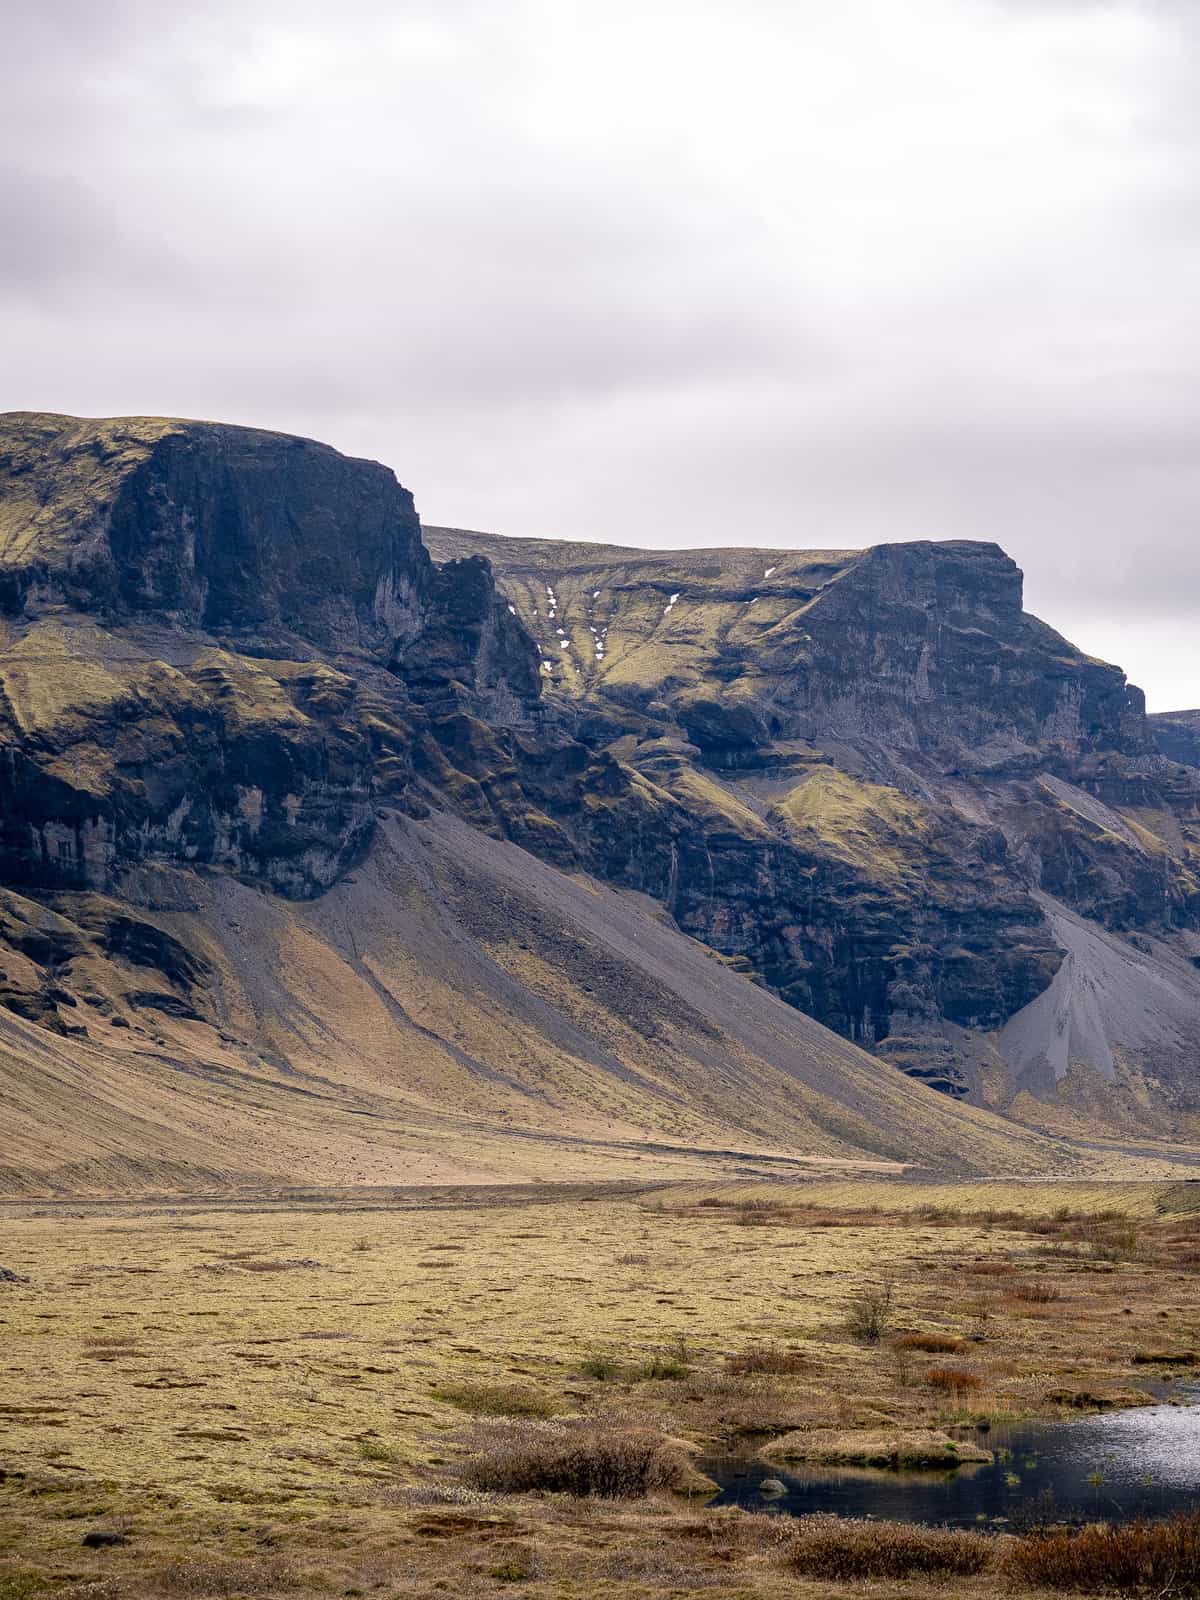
885 775
864 779
1177 735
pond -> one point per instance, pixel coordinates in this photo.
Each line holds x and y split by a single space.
1109 1467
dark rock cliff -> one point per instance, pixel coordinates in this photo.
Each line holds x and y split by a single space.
230 530
201 629
1176 734
866 778
871 775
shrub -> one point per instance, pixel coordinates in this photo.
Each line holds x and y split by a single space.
766 1358
600 1365
673 1363
870 1313
1114 1244
616 1463
1034 1294
760 1214
375 1450
842 1550
952 1379
666 1366
1159 1558
498 1399
933 1344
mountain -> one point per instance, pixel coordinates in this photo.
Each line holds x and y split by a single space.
306 877
912 810
1176 734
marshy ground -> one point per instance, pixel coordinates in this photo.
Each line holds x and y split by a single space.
316 1394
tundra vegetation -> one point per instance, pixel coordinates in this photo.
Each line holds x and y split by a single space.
321 1395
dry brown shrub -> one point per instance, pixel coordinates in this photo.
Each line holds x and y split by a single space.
841 1550
612 1462
768 1359
1034 1294
870 1312
933 1344
1157 1558
953 1380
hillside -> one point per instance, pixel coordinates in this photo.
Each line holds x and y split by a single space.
301 872
915 811
1177 735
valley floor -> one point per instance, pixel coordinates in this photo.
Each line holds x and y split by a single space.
288 1394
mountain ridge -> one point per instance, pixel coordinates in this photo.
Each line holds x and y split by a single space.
891 726
261 757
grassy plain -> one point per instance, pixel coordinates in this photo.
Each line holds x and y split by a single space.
283 1396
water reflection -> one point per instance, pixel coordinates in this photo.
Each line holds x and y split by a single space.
1111 1467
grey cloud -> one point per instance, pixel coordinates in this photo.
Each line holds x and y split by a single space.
668 274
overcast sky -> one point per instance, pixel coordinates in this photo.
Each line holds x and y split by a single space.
782 272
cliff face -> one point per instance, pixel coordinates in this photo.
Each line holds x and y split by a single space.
876 778
237 942
201 629
229 530
866 780
1176 734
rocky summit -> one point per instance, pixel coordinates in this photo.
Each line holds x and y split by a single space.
335 849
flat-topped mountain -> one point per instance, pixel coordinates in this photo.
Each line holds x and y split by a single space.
332 850
270 779
209 526
917 811
920 646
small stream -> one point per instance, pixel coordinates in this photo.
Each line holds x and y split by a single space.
1110 1467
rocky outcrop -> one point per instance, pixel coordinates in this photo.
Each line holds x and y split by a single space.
202 626
228 530
865 779
472 652
1176 734
868 774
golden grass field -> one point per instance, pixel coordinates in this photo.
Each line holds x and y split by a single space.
277 1395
